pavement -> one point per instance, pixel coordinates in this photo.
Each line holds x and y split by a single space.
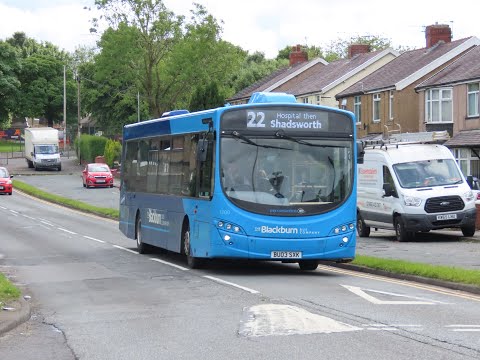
19 311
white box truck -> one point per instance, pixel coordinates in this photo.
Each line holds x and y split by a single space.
41 148
412 187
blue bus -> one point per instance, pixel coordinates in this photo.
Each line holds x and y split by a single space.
269 180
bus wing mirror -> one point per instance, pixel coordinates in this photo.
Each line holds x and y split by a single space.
202 148
360 152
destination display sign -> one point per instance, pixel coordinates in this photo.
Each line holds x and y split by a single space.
288 119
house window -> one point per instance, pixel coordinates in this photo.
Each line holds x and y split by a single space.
438 105
467 160
357 108
305 100
376 108
390 105
318 99
472 100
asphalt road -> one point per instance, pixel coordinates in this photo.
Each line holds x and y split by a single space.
95 297
446 247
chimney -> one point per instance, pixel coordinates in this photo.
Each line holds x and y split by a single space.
356 49
298 55
436 33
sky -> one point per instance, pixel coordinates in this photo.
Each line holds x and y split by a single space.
260 25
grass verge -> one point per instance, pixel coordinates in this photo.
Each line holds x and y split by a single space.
445 273
8 291
73 204
10 146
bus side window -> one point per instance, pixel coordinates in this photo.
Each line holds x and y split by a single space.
205 173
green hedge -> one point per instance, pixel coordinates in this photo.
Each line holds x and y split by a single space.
113 152
90 147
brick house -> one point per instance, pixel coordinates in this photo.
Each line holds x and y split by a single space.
299 68
317 81
450 100
386 100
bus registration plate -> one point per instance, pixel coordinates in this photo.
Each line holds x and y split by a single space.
286 255
447 217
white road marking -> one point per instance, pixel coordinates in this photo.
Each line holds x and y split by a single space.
122 248
361 292
232 284
46 223
431 288
170 264
277 319
28 217
389 327
14 212
91 238
4 208
464 328
67 231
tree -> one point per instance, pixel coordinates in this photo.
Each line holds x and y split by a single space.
254 68
338 49
9 83
41 78
163 57
207 97
312 52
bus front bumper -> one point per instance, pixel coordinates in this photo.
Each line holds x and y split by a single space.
334 248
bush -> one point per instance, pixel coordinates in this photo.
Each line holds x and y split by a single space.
90 147
113 152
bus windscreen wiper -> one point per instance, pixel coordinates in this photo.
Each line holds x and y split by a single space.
237 135
282 135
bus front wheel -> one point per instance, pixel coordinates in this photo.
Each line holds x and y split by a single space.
308 265
192 261
141 246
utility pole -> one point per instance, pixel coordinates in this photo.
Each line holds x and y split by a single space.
64 109
78 114
138 106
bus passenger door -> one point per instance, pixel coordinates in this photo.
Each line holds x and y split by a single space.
204 191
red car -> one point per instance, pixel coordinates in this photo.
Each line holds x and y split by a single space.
97 175
6 186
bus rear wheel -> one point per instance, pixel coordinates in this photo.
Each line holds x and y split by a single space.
308 265
141 246
192 261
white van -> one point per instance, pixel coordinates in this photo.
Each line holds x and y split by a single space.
412 187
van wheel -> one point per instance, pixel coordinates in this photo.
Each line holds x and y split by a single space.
308 265
141 246
192 261
468 230
362 229
401 234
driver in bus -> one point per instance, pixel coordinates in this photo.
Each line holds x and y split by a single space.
233 177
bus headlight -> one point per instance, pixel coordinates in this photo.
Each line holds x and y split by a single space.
343 228
229 227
